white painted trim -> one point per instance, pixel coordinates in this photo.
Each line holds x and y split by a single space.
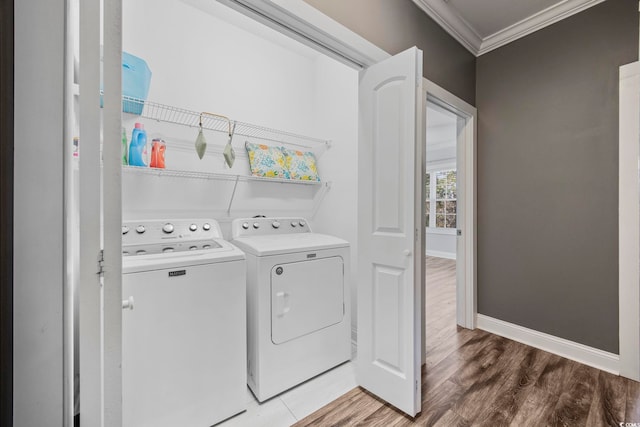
90 292
441 254
581 353
311 27
629 221
465 34
444 231
466 295
536 22
112 213
452 23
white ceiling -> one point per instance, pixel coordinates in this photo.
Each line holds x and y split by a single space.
484 25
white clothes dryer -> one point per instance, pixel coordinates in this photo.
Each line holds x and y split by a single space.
298 310
183 324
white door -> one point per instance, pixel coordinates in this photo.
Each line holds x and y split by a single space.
390 230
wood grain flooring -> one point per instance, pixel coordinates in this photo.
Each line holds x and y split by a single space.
474 378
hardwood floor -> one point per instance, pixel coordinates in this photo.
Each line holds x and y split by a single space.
474 378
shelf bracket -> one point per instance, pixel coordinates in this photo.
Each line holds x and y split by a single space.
326 186
233 195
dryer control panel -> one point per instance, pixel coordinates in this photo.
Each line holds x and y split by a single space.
268 226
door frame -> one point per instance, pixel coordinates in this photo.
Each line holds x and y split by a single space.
629 221
466 161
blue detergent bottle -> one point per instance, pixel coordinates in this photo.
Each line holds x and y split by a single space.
138 146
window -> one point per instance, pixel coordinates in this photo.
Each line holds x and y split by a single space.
441 199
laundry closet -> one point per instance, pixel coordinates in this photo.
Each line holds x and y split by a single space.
225 90
220 82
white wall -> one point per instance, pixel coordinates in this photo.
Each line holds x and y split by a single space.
38 214
336 114
203 58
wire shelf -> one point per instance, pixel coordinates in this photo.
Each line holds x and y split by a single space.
212 176
184 117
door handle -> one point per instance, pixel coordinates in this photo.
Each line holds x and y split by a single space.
127 303
282 304
406 252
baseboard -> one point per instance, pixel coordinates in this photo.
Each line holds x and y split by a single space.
440 254
590 356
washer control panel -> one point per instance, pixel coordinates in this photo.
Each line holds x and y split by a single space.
268 226
144 232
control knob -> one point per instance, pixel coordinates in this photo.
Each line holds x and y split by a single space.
125 230
168 228
256 225
293 223
275 224
245 225
302 223
206 226
140 229
193 227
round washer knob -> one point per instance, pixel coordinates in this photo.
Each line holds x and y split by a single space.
125 230
168 228
302 223
206 226
193 227
141 252
168 249
245 225
256 225
275 224
294 224
140 229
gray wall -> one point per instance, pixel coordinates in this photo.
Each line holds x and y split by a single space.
548 175
38 213
396 25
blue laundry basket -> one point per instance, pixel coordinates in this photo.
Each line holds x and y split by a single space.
136 79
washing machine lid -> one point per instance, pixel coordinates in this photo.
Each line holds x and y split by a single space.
288 243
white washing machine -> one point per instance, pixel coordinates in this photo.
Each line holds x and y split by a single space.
298 311
183 324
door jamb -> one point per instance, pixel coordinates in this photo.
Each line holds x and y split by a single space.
629 222
467 157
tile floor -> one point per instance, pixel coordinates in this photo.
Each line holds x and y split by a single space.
295 404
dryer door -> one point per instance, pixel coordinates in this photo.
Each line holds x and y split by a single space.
306 296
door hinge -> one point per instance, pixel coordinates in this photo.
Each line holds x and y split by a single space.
101 262
416 386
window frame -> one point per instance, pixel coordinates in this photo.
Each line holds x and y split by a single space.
433 170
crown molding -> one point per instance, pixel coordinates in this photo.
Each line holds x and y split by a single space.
536 22
464 33
452 23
